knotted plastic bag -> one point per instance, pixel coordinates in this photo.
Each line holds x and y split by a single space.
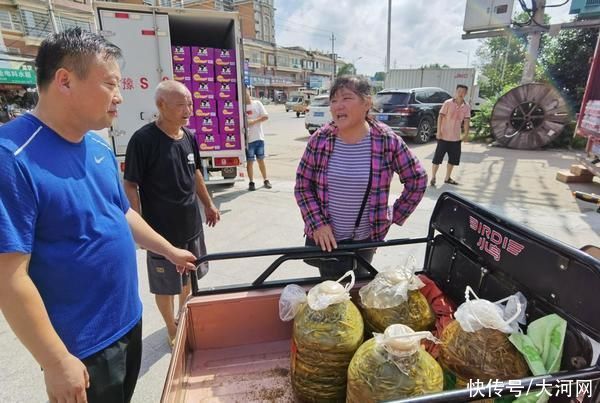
290 302
393 297
476 345
393 365
328 328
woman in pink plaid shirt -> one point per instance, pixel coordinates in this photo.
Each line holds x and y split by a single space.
343 179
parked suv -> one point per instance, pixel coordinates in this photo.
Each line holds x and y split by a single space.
411 112
317 113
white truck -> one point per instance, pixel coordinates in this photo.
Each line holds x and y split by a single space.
444 78
146 34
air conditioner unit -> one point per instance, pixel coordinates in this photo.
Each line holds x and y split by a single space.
487 14
585 8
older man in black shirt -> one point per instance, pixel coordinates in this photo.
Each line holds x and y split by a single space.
163 162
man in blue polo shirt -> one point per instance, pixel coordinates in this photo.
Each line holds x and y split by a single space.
68 274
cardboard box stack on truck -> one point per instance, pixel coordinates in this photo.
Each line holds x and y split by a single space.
199 48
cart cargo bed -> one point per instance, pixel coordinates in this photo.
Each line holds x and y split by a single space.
231 345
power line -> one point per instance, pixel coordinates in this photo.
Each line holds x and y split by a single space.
558 5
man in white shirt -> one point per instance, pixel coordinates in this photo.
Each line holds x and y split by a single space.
256 114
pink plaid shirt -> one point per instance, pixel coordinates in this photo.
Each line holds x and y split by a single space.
389 154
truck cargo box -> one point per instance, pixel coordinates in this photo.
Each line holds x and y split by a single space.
160 43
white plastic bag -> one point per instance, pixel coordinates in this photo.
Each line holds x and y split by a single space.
330 292
477 314
319 297
292 298
400 341
390 287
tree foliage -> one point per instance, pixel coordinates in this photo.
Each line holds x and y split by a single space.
566 62
379 76
346 69
435 66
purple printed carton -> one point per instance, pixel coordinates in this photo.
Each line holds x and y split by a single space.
207 124
209 141
189 85
227 107
225 91
192 125
225 57
203 72
181 73
230 140
205 107
181 54
182 68
202 55
187 81
203 89
228 122
225 73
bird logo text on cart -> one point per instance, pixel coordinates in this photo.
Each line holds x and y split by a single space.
493 242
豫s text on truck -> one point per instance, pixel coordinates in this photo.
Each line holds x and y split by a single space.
198 48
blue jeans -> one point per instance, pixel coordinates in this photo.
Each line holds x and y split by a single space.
255 150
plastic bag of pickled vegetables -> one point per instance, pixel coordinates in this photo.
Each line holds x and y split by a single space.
328 328
393 365
476 345
393 297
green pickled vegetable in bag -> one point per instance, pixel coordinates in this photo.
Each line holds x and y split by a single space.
393 365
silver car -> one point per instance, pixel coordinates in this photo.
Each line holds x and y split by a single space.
318 113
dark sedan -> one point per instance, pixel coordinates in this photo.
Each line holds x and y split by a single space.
410 112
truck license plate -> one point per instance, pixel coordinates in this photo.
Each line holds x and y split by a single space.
382 117
319 114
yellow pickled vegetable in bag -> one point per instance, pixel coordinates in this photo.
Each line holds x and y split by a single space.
393 365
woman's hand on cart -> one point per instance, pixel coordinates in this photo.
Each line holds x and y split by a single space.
324 238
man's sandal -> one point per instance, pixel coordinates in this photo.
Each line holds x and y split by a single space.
451 181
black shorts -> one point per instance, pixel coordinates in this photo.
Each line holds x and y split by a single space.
163 277
114 370
452 148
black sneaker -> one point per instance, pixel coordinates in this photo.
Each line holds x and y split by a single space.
268 184
251 186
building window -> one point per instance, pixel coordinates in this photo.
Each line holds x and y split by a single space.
9 20
283 60
65 23
256 57
224 5
36 24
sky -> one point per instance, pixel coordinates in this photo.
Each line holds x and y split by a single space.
423 32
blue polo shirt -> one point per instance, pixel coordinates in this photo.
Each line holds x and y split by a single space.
63 204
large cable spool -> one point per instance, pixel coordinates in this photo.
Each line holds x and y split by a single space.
529 116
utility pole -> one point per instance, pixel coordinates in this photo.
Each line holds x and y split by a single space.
333 56
52 17
2 44
389 37
534 43
504 62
